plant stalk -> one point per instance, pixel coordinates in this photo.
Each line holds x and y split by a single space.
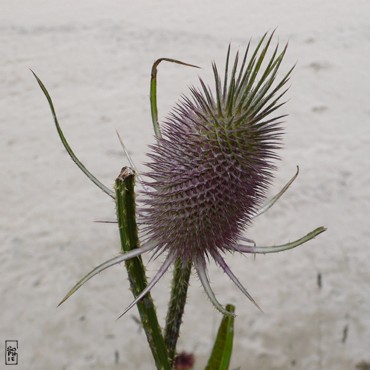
125 202
180 284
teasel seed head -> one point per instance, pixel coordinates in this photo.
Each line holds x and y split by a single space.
210 169
212 165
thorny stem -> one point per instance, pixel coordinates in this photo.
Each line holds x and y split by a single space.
180 284
125 202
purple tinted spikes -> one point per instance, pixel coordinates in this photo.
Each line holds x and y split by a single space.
210 170
234 279
200 267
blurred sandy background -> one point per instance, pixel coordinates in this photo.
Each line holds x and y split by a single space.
95 59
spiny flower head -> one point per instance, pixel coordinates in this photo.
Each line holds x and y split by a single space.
210 169
213 163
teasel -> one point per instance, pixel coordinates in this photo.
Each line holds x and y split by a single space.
210 169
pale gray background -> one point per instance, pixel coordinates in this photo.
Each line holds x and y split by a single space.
95 58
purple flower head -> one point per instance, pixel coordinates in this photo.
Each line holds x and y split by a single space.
212 165
210 168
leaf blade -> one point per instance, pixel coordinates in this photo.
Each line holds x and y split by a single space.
153 90
64 141
222 349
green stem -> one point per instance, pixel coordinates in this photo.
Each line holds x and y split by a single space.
180 284
125 202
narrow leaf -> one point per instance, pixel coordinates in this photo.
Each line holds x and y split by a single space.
207 288
103 266
283 247
66 145
275 198
222 349
153 90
